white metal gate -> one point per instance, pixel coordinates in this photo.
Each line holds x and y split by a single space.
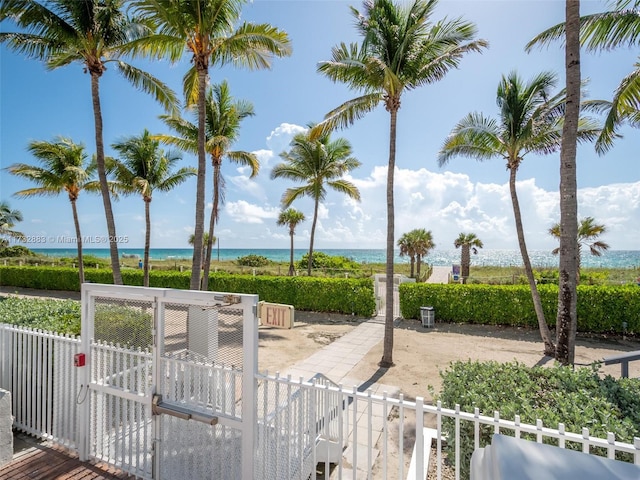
169 381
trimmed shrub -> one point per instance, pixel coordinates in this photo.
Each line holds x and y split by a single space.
577 398
601 309
339 295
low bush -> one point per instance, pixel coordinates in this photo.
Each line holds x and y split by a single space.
15 251
601 308
577 398
127 326
253 261
60 316
322 261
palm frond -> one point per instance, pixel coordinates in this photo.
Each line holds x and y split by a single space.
150 84
475 136
346 114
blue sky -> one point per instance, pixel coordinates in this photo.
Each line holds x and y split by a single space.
464 196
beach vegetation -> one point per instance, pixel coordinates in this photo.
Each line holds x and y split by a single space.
401 49
143 168
253 261
222 128
333 264
95 34
206 30
530 120
15 251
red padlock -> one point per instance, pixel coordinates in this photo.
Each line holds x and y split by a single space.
79 360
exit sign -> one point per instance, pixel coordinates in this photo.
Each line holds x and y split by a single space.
276 314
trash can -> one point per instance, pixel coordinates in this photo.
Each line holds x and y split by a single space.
428 316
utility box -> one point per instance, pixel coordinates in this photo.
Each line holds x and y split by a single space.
428 317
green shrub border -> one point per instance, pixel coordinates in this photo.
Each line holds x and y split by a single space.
601 308
351 296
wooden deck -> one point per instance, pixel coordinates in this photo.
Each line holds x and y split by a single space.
40 461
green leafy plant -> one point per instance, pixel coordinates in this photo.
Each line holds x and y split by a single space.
60 316
253 261
579 398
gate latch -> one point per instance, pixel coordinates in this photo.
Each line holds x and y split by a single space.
159 407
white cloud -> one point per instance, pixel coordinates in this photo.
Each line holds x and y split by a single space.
279 138
245 212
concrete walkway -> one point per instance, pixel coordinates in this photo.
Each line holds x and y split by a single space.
439 275
336 361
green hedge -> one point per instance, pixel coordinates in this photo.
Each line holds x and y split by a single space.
61 316
339 295
601 309
579 398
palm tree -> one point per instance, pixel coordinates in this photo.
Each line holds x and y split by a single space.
317 164
530 121
291 218
423 242
605 31
401 50
587 233
63 167
144 168
205 241
93 33
8 220
205 28
407 248
222 127
467 242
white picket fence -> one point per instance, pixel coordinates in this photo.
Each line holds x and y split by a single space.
293 418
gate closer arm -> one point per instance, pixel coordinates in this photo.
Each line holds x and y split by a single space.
159 407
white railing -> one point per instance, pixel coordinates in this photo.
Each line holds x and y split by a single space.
37 367
292 415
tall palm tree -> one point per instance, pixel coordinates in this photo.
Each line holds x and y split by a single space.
401 49
205 29
144 168
467 242
317 164
291 218
94 33
63 168
604 31
587 235
8 219
530 120
222 128
423 241
407 248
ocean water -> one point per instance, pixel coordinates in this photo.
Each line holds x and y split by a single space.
502 258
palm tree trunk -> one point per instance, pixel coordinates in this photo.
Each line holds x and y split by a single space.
147 241
549 348
418 264
566 322
313 234
413 264
212 223
465 262
387 351
291 269
198 233
76 223
102 176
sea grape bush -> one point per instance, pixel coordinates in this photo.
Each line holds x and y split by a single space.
60 316
577 398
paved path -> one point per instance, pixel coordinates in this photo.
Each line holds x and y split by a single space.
336 361
439 275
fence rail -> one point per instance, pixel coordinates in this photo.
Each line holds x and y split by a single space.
292 416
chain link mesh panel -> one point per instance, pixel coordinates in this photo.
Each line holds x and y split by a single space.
123 322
